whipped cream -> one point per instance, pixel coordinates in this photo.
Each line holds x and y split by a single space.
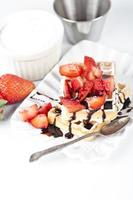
30 32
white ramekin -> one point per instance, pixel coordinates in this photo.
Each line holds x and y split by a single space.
37 63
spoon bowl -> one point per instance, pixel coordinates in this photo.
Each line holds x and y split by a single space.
115 125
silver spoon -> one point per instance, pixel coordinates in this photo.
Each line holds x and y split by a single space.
109 129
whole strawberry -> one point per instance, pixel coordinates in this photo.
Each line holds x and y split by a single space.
14 89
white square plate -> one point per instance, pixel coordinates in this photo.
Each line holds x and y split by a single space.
100 148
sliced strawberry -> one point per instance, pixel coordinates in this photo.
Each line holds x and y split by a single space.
90 76
71 70
93 74
45 108
77 83
40 121
29 113
88 85
67 89
92 71
97 72
98 84
72 105
98 88
87 89
24 115
96 102
89 62
82 94
109 85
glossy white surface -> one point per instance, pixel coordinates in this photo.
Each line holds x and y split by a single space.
57 177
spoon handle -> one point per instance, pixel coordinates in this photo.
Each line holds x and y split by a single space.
37 155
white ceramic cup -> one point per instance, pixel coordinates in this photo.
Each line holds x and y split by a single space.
30 43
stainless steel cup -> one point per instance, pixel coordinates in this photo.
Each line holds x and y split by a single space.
82 19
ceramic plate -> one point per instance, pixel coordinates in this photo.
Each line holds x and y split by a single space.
100 148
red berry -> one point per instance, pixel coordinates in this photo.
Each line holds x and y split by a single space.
98 88
109 85
97 72
89 62
72 105
45 108
90 76
40 121
82 94
67 89
91 71
14 89
96 102
77 83
29 113
71 70
87 89
98 84
88 85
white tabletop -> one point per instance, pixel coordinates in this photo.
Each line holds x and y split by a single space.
56 176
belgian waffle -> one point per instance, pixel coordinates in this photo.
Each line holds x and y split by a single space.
85 121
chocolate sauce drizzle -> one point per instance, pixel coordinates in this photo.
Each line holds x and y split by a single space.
88 126
120 99
130 109
58 112
38 93
52 129
36 99
78 122
86 122
120 113
108 105
126 103
122 102
85 104
69 135
103 115
91 112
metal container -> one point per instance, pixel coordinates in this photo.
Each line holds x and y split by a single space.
82 19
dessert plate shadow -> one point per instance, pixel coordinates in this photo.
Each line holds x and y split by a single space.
100 148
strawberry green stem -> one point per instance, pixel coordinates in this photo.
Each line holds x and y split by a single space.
2 105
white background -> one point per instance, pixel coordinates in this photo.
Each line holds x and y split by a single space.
57 177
